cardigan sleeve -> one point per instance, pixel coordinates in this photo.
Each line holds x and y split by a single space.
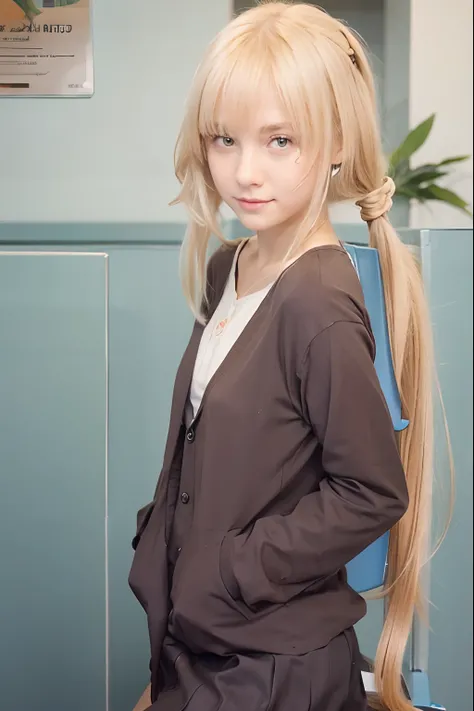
363 493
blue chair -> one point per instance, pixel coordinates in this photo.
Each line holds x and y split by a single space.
367 571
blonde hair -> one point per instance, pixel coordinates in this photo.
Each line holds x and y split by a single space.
322 75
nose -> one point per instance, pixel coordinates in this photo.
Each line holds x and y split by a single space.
249 171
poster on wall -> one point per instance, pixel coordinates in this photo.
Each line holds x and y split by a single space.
46 48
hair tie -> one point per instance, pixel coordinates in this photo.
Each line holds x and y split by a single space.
379 202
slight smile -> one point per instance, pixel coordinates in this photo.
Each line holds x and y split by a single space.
252 204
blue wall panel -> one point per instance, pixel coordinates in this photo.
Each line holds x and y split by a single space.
53 377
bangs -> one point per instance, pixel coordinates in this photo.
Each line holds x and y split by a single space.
293 66
235 86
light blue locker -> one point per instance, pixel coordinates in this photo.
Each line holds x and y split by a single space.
53 480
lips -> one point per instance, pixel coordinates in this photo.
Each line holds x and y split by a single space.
252 204
253 201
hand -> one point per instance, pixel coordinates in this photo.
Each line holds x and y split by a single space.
145 700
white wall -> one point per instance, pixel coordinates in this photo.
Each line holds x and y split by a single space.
110 158
441 81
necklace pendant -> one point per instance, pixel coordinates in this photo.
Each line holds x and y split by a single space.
223 322
220 327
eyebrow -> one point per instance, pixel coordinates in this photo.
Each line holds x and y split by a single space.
269 128
275 127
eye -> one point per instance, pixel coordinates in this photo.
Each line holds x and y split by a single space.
281 141
225 141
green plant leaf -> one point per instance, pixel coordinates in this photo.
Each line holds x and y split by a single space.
407 192
401 175
425 168
413 179
415 139
421 183
435 192
456 159
418 178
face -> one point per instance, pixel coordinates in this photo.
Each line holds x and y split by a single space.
259 170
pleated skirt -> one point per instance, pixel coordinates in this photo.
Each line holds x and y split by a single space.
327 679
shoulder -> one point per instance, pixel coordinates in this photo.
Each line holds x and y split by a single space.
319 290
323 287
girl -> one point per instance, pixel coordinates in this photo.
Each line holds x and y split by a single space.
281 463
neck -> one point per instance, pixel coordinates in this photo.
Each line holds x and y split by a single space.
272 246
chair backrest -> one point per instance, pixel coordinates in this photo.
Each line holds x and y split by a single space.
367 571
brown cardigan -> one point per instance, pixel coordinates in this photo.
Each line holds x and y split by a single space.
289 470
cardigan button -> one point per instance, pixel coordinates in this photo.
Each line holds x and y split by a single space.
190 436
185 498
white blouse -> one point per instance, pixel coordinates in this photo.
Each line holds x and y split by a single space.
227 323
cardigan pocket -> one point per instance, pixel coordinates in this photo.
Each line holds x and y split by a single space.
202 609
230 583
228 579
